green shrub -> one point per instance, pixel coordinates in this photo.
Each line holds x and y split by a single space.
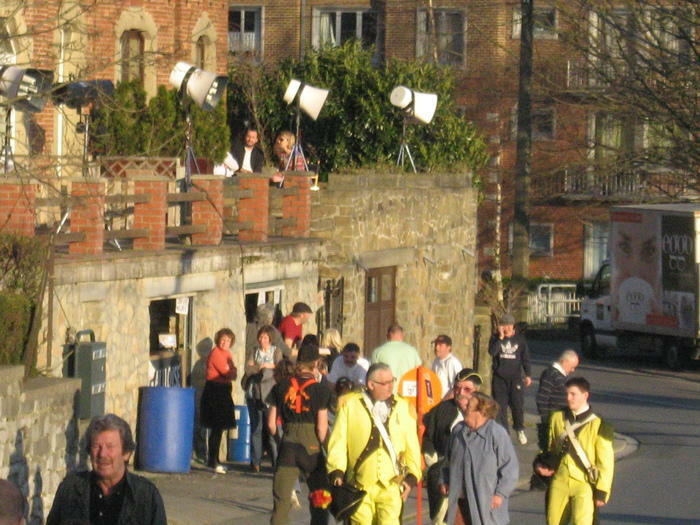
357 126
15 319
128 126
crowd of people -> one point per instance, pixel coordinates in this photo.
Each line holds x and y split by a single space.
331 418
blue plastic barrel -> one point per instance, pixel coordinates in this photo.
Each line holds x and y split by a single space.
239 448
166 421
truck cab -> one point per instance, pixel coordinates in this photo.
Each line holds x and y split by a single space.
597 335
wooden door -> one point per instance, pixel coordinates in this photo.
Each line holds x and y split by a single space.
380 306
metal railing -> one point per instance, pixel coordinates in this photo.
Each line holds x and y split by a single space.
553 304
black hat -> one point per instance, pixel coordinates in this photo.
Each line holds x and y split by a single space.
506 319
308 353
443 339
301 308
346 499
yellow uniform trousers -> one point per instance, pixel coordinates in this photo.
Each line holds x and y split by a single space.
570 501
380 506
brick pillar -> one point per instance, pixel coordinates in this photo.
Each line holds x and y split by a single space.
208 212
17 214
297 206
254 209
87 215
151 215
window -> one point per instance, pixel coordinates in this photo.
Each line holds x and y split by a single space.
610 135
541 239
201 52
449 36
244 31
335 27
542 120
544 22
132 48
595 247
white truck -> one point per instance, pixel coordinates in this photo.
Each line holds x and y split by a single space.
644 300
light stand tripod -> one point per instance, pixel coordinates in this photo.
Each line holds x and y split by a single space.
7 155
297 150
405 150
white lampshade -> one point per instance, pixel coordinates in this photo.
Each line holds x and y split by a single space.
311 99
420 106
25 88
204 87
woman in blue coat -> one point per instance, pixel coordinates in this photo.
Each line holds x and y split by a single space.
482 469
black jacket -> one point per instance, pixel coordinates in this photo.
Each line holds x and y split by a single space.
257 159
511 356
438 427
142 502
551 394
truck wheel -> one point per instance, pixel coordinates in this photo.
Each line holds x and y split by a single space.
589 348
673 355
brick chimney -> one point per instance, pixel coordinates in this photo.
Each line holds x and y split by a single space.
151 215
297 205
254 209
87 216
208 212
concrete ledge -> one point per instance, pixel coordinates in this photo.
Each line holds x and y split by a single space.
390 257
42 387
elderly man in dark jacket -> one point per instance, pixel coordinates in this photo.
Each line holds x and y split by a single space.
108 493
551 394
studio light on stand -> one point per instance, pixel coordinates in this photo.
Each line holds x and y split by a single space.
310 100
203 88
416 106
23 89
77 95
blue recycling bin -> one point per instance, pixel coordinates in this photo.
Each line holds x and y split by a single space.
166 422
239 447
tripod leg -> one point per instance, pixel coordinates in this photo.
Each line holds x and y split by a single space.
410 158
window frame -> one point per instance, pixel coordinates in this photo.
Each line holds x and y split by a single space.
537 33
422 40
319 11
549 252
126 67
259 11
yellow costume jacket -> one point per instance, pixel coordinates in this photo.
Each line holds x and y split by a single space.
351 433
596 438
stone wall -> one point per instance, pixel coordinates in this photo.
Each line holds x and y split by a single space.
110 295
38 435
425 225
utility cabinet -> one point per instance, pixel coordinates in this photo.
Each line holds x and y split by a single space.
87 361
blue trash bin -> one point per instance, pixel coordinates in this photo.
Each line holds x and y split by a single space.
166 422
239 448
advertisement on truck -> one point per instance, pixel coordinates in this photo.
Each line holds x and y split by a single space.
653 271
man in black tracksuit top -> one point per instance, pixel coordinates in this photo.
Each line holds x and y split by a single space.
551 394
511 360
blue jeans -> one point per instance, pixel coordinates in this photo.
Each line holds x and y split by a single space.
258 432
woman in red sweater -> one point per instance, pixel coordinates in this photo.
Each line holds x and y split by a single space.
217 410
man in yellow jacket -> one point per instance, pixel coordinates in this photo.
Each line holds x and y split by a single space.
374 446
582 473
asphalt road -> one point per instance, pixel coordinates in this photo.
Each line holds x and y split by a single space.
660 483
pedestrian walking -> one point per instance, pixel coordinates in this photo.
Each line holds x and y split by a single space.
257 383
374 447
446 365
291 327
439 423
303 403
482 468
551 392
217 410
511 374
580 459
400 356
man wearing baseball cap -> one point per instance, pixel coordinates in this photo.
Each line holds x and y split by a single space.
290 326
445 365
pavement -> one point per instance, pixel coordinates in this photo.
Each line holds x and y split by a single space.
202 497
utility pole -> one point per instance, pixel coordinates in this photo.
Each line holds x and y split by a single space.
520 258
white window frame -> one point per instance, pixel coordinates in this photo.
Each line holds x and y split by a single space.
537 33
319 11
259 28
422 50
546 253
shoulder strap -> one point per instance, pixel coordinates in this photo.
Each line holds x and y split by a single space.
569 429
383 433
575 426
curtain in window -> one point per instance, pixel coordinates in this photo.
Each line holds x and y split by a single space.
326 30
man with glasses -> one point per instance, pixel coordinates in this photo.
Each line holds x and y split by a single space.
374 447
439 423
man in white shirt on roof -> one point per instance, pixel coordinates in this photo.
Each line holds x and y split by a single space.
350 365
445 365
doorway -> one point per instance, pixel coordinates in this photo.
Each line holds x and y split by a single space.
380 305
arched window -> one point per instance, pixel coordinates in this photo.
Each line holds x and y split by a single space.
132 51
201 52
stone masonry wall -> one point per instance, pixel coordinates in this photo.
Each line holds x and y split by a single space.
110 295
38 435
425 225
